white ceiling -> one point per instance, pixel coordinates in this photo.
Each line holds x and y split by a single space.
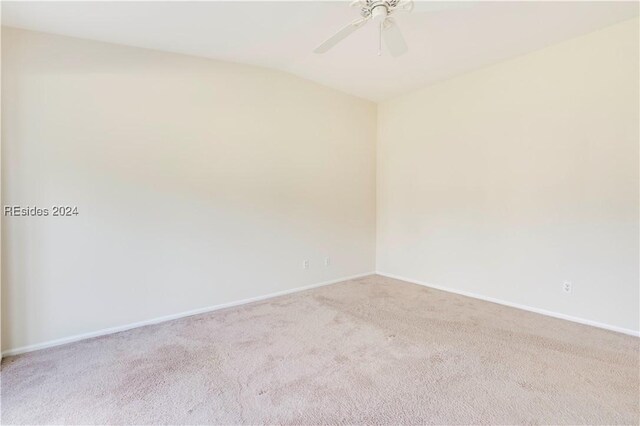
282 35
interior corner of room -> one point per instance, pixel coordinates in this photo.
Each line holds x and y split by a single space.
210 183
202 184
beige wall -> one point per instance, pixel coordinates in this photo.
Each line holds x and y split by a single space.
201 182
507 181
0 194
197 183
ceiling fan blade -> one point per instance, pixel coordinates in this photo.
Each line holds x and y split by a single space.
393 38
340 35
404 6
437 6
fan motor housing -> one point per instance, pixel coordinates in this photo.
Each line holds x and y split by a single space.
379 11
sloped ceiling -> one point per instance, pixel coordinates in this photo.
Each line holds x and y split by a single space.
282 35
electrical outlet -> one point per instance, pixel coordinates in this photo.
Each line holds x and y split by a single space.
566 286
327 261
305 264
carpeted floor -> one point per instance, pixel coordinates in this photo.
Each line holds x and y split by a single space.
372 350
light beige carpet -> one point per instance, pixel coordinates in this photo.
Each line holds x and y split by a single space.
372 350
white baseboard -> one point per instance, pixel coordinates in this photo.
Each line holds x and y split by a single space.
111 330
516 305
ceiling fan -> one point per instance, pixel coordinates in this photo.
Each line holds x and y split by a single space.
382 13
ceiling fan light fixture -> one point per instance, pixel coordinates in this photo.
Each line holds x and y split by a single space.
379 12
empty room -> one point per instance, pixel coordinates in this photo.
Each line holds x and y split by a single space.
377 212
